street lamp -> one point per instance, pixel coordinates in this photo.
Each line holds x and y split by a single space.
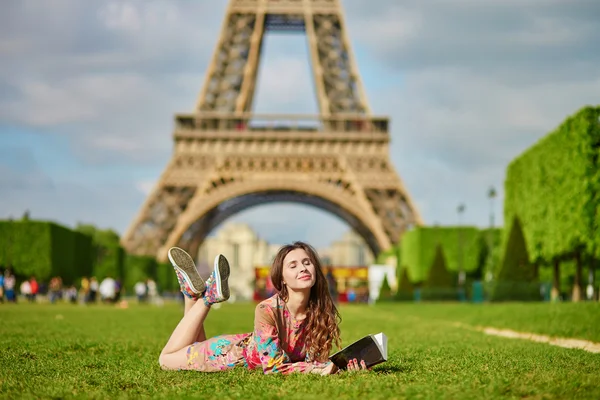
490 273
461 272
492 195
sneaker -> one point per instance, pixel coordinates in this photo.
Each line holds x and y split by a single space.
191 283
217 288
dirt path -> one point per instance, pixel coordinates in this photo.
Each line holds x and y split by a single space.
554 341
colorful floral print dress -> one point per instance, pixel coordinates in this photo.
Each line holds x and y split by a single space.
277 345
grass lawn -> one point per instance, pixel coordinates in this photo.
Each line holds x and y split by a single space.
103 352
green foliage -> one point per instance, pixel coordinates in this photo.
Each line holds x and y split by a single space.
109 256
440 284
44 249
460 245
405 287
517 278
491 254
385 292
139 268
166 278
26 247
439 276
554 189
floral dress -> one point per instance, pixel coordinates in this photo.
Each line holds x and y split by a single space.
277 345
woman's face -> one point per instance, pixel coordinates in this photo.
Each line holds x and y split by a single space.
298 270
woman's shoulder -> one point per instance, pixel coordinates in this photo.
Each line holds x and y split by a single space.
271 304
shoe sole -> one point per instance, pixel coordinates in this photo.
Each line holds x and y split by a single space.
222 270
184 263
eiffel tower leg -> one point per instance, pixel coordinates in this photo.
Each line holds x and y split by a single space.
339 87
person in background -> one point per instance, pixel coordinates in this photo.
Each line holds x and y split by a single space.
25 290
35 288
71 294
55 289
84 290
140 291
9 286
1 285
94 286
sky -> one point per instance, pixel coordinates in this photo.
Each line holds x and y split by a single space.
88 90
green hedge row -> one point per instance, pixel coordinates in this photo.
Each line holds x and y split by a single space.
516 269
459 245
554 189
44 249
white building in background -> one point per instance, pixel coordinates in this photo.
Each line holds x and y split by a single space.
350 251
244 250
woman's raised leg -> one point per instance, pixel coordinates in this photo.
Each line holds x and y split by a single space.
191 327
174 354
188 304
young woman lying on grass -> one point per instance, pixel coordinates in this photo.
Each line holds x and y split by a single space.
294 330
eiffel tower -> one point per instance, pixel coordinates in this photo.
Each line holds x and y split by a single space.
227 159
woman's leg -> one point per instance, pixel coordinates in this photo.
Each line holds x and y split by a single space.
174 354
188 304
191 327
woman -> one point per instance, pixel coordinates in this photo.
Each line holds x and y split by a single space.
294 330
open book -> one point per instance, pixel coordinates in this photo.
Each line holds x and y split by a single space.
372 349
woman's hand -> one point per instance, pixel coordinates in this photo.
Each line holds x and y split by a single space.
331 368
328 369
354 365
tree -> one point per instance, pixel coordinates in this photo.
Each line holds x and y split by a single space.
405 287
385 292
517 278
439 276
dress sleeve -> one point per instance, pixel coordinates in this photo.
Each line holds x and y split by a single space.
272 357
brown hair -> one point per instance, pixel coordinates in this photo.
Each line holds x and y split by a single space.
323 317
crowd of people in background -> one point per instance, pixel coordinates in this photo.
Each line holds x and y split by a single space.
89 290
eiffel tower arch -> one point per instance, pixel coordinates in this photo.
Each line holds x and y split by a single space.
227 159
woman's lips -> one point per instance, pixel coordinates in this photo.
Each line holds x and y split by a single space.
304 278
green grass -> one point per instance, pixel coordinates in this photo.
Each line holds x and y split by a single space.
103 352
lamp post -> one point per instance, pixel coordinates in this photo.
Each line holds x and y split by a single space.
490 273
461 272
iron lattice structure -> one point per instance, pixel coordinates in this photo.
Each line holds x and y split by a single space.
227 159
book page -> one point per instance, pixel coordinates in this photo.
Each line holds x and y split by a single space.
381 341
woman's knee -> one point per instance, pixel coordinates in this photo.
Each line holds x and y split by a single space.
173 361
163 361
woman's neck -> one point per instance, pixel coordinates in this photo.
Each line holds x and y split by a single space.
297 303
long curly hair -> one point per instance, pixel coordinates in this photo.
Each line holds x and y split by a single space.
322 316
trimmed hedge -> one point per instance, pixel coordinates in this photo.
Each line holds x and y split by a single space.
385 292
554 189
166 278
405 287
439 276
44 249
517 278
440 284
418 249
139 268
108 255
